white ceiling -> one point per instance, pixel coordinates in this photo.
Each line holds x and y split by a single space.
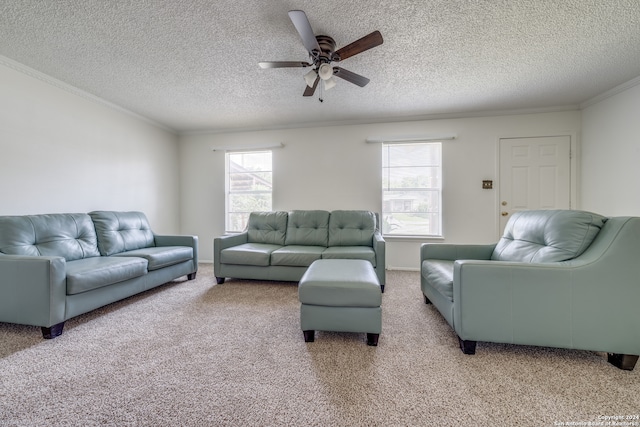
192 65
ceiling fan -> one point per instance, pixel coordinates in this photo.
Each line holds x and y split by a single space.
322 52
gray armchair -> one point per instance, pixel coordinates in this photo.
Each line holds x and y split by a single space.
566 279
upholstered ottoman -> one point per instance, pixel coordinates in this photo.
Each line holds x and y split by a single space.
341 295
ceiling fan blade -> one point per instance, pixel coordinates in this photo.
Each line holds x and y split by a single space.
350 76
309 91
365 43
300 21
284 64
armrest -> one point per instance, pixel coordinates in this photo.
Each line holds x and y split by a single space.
224 242
191 241
32 289
580 303
452 252
379 247
229 240
499 300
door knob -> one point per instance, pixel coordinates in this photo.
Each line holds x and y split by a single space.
504 213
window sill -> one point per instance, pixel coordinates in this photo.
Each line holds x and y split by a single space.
395 238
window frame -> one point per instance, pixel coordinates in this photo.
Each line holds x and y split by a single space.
229 193
386 173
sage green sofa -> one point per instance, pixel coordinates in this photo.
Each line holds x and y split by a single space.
282 245
56 266
559 278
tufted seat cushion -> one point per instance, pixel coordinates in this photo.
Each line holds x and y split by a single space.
71 236
121 231
547 235
296 256
161 256
350 252
351 228
91 273
249 254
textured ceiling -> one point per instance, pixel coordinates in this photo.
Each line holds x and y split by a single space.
193 64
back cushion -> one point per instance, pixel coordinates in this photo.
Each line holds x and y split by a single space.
121 231
71 236
547 236
267 227
309 228
351 228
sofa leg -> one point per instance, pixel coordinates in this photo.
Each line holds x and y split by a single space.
622 361
372 339
191 276
309 336
52 331
426 300
219 280
467 347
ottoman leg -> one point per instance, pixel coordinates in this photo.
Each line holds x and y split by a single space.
372 339
309 336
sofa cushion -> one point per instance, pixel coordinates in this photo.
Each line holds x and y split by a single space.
68 235
92 273
267 227
351 228
248 254
296 256
350 252
121 231
547 235
309 228
439 275
161 256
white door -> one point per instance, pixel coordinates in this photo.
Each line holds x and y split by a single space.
535 173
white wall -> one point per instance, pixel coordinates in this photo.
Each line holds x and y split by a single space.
611 155
333 167
60 152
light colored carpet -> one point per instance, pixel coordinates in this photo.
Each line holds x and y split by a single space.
193 353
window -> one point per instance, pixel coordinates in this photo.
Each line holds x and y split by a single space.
412 189
248 186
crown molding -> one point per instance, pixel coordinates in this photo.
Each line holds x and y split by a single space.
26 70
386 119
611 92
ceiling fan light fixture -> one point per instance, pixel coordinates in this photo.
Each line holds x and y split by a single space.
310 78
325 71
329 83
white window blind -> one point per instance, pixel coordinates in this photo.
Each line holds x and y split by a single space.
249 178
412 189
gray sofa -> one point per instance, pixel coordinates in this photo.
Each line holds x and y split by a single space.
559 278
56 266
282 245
